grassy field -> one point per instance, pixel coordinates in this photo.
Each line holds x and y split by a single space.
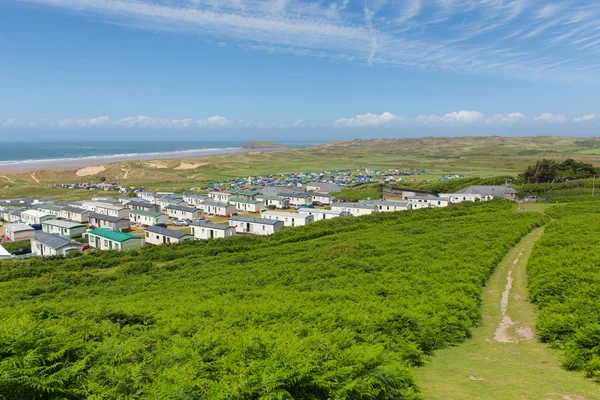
517 367
473 156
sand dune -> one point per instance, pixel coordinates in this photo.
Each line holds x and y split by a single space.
90 170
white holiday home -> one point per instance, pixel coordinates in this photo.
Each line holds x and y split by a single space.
288 218
64 228
147 218
183 212
207 231
47 244
157 235
353 208
218 209
75 214
256 226
35 217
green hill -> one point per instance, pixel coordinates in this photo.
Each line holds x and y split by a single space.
338 309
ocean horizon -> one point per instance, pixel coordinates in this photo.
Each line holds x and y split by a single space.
19 153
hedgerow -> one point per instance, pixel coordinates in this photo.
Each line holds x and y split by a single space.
340 309
564 281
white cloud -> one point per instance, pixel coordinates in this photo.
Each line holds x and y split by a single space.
456 117
589 117
140 121
551 118
369 119
12 123
507 118
83 123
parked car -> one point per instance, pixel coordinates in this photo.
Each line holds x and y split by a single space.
199 220
532 199
37 227
318 204
85 247
180 222
20 252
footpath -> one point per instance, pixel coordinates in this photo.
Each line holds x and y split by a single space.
504 359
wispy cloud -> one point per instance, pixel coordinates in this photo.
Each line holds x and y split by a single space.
589 117
509 37
139 121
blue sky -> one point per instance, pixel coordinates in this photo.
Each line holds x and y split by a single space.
321 69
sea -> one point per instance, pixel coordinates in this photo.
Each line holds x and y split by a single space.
20 153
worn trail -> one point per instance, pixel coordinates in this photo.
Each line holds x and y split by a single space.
503 359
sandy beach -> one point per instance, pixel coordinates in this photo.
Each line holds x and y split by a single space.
93 165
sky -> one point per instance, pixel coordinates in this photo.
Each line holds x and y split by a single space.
297 69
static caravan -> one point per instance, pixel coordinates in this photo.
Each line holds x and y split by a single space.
157 235
143 206
221 197
112 210
207 231
389 205
105 221
75 214
63 228
460 197
323 198
47 244
183 212
300 199
194 199
108 239
274 201
218 209
35 217
256 226
429 201
321 215
289 218
247 206
51 209
146 218
18 232
353 208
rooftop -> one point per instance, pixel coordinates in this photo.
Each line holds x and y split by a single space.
167 232
208 225
74 210
17 228
255 220
54 241
63 223
150 214
110 234
181 208
108 218
354 205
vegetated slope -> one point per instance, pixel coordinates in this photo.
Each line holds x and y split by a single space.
564 274
337 309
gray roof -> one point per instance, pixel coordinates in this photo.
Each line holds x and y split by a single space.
167 232
326 187
299 195
74 210
354 205
394 203
62 223
141 204
107 217
54 241
255 220
496 191
181 208
208 225
432 198
18 227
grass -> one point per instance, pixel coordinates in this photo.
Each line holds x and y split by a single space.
482 368
473 156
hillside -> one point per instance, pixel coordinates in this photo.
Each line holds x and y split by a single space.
337 309
473 156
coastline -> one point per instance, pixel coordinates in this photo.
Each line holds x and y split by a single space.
27 166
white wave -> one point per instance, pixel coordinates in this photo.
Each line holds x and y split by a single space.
123 155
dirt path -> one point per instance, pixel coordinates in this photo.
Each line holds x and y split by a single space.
8 179
503 360
34 178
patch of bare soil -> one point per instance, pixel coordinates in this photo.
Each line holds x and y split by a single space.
87 171
186 166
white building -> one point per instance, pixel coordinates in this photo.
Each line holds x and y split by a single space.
274 201
208 231
108 239
35 217
157 235
460 197
112 210
320 215
18 232
354 209
300 199
256 226
143 206
247 206
323 198
289 218
46 244
221 197
164 202
218 209
183 212
418 202
12 215
75 214
51 209
389 205
147 218
108 222
63 228
194 199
